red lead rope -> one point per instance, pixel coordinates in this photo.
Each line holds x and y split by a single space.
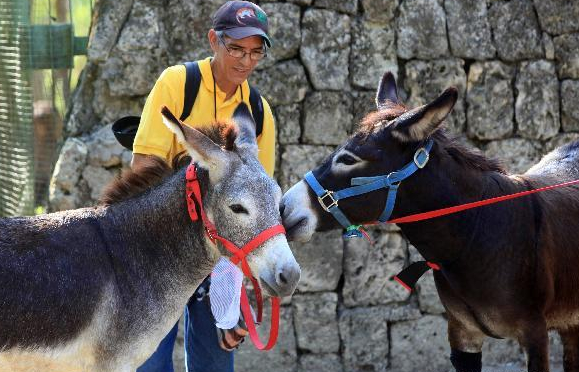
458 208
410 275
239 254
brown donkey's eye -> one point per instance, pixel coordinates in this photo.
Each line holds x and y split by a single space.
238 208
346 159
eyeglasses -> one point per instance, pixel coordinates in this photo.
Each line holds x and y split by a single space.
240 53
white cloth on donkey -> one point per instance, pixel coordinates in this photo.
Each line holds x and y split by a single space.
225 293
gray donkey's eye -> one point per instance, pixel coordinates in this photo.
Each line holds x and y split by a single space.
238 208
346 159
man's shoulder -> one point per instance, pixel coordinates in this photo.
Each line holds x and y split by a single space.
175 76
174 72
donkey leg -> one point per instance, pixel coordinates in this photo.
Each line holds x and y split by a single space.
570 340
535 341
466 344
464 336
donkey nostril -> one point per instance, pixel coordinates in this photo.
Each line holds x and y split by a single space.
288 277
282 278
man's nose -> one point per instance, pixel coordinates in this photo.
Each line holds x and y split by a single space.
246 59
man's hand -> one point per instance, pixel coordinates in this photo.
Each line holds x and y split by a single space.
230 339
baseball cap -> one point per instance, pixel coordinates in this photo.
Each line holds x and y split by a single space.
241 19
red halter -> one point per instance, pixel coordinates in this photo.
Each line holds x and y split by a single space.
193 191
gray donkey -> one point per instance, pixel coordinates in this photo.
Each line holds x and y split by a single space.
97 289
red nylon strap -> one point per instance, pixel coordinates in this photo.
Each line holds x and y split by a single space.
239 255
248 317
193 191
255 242
432 265
458 208
258 298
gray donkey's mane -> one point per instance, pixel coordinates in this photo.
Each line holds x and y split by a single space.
131 183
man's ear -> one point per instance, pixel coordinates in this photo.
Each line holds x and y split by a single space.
213 40
201 148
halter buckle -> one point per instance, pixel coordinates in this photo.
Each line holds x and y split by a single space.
211 233
191 174
333 202
422 164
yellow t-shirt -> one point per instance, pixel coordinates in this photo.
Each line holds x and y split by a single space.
154 138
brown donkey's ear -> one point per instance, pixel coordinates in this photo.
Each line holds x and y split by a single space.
420 123
201 148
387 93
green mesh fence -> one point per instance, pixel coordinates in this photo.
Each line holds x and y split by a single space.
39 64
16 130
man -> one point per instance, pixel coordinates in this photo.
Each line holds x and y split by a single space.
239 41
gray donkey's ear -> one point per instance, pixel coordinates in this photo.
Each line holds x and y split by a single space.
246 125
201 148
419 123
387 93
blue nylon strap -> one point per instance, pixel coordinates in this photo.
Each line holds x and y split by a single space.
340 216
320 191
365 180
390 202
398 176
380 183
392 180
363 185
314 184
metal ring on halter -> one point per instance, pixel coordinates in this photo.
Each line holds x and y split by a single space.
390 183
426 157
327 194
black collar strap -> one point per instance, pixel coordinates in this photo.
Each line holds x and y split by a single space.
410 275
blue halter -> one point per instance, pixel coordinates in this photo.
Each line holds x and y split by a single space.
362 185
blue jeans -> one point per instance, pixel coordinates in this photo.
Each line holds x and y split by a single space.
202 350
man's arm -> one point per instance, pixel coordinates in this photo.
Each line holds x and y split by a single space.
153 137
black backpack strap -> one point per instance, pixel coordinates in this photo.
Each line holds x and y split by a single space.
256 109
192 81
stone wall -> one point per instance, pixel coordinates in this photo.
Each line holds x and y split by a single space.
515 64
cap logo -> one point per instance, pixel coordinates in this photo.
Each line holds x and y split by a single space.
244 14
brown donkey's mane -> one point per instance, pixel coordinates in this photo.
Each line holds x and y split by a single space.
131 183
463 155
372 121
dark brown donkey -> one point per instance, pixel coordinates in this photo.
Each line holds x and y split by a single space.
97 289
509 270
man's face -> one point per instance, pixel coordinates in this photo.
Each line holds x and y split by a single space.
236 70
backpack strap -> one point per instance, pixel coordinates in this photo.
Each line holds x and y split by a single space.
192 82
256 109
